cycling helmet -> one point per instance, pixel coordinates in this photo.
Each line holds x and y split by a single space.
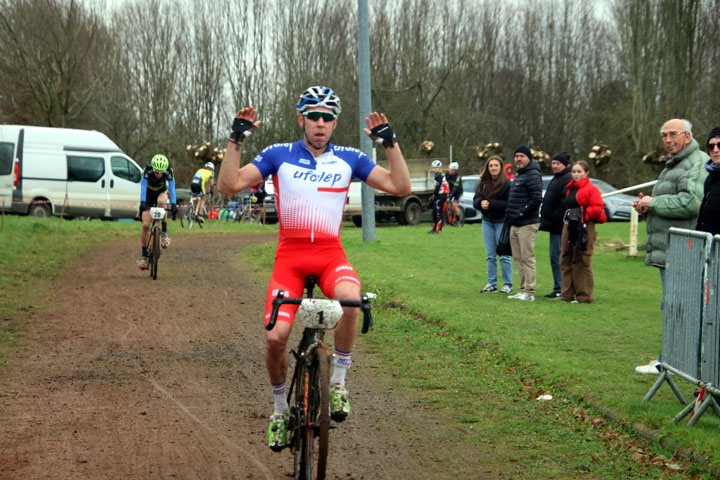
318 97
436 164
453 166
210 166
160 163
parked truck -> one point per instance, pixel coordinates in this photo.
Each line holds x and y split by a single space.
404 210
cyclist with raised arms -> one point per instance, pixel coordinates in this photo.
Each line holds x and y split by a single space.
311 177
199 184
157 181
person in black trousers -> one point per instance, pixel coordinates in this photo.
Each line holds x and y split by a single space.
552 213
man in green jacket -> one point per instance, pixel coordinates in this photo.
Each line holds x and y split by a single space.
675 200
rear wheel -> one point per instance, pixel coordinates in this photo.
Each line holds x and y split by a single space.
460 219
39 210
411 213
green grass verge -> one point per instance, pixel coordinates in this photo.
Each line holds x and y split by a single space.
485 358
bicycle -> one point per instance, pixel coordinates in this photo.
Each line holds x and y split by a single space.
251 212
153 245
309 422
449 216
191 213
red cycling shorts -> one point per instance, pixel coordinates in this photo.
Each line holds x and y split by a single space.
295 260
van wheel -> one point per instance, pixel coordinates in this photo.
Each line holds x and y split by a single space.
40 210
357 220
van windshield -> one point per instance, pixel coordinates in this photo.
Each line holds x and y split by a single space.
6 157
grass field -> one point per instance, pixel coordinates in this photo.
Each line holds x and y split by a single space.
481 357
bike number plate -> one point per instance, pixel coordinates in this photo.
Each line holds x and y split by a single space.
319 313
157 213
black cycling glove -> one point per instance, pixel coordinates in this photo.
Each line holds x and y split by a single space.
143 205
383 134
240 129
174 210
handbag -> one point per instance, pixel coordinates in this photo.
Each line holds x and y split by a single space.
503 245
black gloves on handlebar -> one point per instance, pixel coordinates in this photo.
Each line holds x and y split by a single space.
174 210
383 134
143 206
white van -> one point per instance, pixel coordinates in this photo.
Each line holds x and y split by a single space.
46 171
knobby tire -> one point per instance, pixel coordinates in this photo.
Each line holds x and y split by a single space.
156 251
312 390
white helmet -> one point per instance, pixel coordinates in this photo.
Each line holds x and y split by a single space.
436 164
210 166
453 166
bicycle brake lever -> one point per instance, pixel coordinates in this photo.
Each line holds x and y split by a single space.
367 316
276 303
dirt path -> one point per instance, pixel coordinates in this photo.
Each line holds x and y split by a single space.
139 379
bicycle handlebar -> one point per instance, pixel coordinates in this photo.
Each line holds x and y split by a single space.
281 299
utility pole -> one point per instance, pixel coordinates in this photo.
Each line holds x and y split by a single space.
365 107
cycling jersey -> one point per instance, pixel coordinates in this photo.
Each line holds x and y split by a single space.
310 192
454 181
199 182
442 187
151 183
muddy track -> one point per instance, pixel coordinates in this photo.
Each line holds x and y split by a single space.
125 377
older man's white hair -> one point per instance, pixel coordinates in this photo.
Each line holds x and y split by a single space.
686 125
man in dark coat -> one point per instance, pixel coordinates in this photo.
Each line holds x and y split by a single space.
552 213
523 217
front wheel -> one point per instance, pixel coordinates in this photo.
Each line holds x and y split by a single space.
155 252
312 448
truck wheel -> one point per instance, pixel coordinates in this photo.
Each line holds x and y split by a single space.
40 210
412 213
357 220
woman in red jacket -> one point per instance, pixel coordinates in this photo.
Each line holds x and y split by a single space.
584 208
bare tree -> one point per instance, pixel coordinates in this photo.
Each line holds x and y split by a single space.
52 63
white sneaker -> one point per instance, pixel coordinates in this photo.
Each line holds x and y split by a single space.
649 369
516 296
489 288
526 297
506 289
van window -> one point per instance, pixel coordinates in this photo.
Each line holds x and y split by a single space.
122 168
85 169
6 157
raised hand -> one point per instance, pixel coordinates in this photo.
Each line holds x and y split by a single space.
379 129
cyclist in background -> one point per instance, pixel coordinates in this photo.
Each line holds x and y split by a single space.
257 198
199 184
439 197
311 178
455 185
157 181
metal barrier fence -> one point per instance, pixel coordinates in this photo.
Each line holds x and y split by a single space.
710 367
691 327
683 310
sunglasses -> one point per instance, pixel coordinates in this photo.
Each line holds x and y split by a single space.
316 115
712 146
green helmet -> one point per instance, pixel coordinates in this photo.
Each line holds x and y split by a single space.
160 163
